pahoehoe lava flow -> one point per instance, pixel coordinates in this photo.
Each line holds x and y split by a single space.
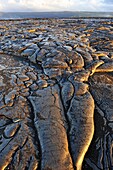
56 94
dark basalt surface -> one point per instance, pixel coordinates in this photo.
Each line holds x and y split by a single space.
56 94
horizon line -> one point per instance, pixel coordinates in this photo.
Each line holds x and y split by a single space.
54 11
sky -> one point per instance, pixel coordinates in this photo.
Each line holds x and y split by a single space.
55 5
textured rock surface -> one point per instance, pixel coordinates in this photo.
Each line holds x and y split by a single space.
56 94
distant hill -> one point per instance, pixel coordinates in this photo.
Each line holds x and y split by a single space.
64 14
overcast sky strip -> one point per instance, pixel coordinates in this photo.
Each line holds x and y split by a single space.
55 5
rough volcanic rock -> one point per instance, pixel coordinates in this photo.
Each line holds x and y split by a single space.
56 94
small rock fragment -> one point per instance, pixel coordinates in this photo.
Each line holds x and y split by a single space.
53 72
42 83
34 56
52 63
69 48
86 56
10 130
13 80
34 86
31 75
23 77
27 52
28 83
9 97
20 83
82 76
80 88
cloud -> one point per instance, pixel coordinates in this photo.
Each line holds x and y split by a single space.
56 5
108 1
36 5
